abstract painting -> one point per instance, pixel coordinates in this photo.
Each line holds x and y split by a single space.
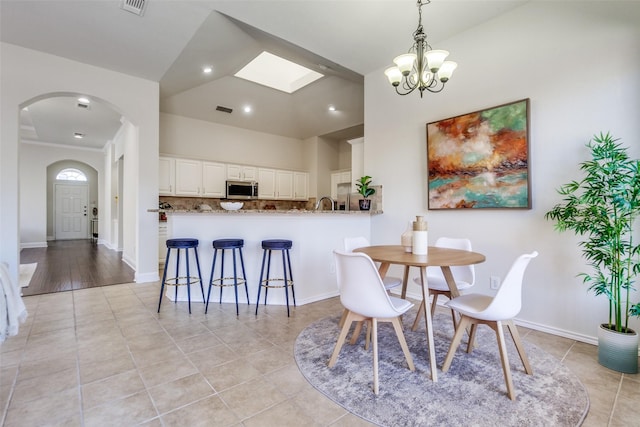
480 160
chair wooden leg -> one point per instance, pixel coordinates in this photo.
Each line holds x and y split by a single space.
374 338
403 342
367 337
472 337
455 342
504 359
356 333
416 322
341 338
344 316
516 340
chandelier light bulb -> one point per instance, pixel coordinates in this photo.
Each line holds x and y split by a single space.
394 75
435 58
405 63
446 70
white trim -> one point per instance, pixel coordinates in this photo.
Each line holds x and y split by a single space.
33 245
146 277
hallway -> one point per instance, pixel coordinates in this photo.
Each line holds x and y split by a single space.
74 264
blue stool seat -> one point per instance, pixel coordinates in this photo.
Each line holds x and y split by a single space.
268 246
222 245
188 280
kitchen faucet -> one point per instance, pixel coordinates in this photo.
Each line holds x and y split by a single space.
319 202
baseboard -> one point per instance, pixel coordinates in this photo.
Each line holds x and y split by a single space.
130 262
33 245
146 277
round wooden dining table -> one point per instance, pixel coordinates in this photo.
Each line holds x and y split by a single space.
436 257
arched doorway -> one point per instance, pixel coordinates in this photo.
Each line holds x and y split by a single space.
54 208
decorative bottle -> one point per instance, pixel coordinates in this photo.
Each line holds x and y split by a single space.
406 239
420 244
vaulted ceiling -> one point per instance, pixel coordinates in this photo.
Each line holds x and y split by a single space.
173 40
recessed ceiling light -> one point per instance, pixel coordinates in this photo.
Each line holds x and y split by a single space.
84 100
78 135
332 108
247 109
277 73
207 70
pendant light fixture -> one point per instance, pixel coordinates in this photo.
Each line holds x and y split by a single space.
422 68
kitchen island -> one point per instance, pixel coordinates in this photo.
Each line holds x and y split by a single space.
315 234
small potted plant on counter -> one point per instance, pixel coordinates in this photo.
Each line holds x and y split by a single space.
365 191
603 207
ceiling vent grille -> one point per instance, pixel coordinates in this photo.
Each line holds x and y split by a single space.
134 6
224 109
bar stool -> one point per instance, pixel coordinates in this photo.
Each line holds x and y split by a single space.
276 245
222 245
187 280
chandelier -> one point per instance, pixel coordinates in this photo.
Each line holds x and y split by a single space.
422 68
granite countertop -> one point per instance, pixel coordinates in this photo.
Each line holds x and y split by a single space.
265 211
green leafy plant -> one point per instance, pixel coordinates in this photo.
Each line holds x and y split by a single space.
363 187
603 207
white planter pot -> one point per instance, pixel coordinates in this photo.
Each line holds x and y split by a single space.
618 351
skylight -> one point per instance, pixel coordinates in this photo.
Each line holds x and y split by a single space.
277 73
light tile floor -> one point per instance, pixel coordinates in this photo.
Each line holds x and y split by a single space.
102 356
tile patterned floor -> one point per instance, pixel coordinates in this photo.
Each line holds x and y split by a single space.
102 356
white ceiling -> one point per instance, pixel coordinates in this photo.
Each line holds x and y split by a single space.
173 40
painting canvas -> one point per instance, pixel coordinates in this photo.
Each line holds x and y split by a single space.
480 160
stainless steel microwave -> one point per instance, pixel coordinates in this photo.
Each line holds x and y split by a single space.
242 190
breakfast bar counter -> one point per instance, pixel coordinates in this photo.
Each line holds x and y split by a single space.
315 234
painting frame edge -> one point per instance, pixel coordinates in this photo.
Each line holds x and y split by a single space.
527 134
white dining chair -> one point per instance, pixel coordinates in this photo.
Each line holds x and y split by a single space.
363 294
464 275
494 311
351 243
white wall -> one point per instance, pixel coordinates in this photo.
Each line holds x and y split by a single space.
199 139
26 75
581 71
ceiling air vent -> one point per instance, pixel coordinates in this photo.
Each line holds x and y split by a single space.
224 109
134 6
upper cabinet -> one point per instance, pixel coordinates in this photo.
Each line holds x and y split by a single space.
300 186
242 173
284 185
166 176
196 178
200 179
266 183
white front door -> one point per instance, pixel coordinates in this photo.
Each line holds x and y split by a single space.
71 211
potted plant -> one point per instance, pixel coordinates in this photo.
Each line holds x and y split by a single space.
365 191
603 207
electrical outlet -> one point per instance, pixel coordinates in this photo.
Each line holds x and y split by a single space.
494 282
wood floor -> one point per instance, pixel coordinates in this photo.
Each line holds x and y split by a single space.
74 264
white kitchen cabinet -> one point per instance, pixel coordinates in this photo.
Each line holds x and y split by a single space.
200 179
166 176
284 185
300 185
341 177
241 172
213 179
188 177
266 183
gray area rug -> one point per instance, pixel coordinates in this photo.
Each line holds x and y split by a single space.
471 393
